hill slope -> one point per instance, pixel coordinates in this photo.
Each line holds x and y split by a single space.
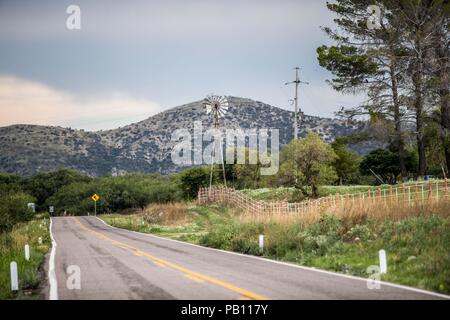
145 146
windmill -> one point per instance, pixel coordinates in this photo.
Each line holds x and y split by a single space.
216 106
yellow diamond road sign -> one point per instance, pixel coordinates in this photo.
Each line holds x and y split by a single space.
95 197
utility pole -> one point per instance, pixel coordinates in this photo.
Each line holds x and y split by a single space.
297 113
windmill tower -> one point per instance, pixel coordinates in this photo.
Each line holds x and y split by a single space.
216 107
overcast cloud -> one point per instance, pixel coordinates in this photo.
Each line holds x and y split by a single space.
133 59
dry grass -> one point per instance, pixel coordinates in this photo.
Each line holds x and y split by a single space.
166 214
354 213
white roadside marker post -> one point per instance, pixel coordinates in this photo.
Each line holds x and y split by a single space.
261 243
14 276
383 262
27 252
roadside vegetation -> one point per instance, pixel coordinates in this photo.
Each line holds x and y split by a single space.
12 245
416 244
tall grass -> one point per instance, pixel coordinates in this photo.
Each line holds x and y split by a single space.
354 213
166 214
12 249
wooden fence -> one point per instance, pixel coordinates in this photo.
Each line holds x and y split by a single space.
404 195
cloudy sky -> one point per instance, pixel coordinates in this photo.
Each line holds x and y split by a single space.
132 59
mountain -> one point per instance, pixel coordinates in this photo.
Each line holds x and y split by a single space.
145 146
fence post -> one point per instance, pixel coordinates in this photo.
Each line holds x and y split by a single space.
446 188
430 190
409 195
423 195
246 202
437 191
390 194
416 198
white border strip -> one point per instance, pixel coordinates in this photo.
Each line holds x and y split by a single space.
389 284
53 295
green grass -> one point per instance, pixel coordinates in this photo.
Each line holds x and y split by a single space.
289 194
12 249
201 219
417 247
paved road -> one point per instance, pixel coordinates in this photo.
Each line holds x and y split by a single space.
119 264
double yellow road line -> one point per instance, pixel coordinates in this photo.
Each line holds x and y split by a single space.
196 276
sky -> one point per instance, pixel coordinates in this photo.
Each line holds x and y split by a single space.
133 59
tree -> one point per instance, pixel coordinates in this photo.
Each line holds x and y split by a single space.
384 164
192 179
369 60
346 163
306 163
248 175
394 64
440 60
435 150
44 185
10 183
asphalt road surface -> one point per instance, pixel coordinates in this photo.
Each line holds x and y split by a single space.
120 264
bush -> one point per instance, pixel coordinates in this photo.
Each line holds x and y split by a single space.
192 180
219 238
13 209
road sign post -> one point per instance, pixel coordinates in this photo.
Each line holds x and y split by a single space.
95 197
51 209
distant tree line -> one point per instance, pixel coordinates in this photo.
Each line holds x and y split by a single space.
69 192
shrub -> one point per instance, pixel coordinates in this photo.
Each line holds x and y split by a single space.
192 179
13 209
220 238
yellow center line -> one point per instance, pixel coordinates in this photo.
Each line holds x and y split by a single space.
158 261
194 278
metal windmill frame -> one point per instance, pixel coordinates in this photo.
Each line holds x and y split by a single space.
217 106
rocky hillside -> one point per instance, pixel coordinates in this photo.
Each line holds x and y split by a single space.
145 146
